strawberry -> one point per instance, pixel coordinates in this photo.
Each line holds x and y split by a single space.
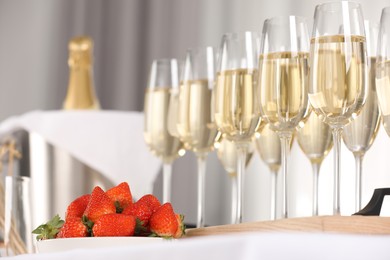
73 227
142 212
151 201
181 229
139 210
163 222
77 207
114 225
99 204
121 196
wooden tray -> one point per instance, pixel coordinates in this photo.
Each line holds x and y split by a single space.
336 224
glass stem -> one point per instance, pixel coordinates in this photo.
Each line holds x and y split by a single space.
336 132
234 197
316 171
167 180
241 150
358 187
274 185
285 139
201 189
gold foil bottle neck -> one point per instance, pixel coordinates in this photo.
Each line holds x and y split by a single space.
81 43
80 52
81 90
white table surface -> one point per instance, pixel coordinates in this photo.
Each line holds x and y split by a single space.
292 246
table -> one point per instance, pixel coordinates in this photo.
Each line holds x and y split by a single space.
245 246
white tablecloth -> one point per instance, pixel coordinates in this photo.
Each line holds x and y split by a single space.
109 141
291 246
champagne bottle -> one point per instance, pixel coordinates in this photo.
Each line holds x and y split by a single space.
81 91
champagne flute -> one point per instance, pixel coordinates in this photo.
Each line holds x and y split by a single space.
382 69
338 70
163 80
283 81
236 109
269 147
194 123
359 135
315 140
227 155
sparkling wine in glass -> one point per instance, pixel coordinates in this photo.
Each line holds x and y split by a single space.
315 140
269 147
338 71
163 81
227 155
382 69
283 81
194 123
236 109
359 135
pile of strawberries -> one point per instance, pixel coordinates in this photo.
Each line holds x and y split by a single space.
113 213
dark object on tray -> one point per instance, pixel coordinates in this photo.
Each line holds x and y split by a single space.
374 206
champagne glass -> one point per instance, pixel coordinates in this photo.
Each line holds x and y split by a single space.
269 147
315 140
17 215
194 123
236 110
382 69
359 135
227 155
283 81
163 80
338 70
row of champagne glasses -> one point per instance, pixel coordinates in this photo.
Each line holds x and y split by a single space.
269 148
283 82
338 87
382 68
178 114
236 113
194 121
315 140
162 88
276 89
227 154
359 135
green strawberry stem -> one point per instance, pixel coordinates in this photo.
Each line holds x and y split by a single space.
89 225
139 227
118 207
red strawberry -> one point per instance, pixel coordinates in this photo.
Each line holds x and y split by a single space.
99 204
163 222
181 229
77 207
151 201
121 196
141 211
114 225
73 227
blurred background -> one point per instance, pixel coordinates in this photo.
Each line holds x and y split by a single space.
128 35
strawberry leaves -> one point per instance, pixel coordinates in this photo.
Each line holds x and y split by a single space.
50 229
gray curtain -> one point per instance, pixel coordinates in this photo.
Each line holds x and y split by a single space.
128 35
